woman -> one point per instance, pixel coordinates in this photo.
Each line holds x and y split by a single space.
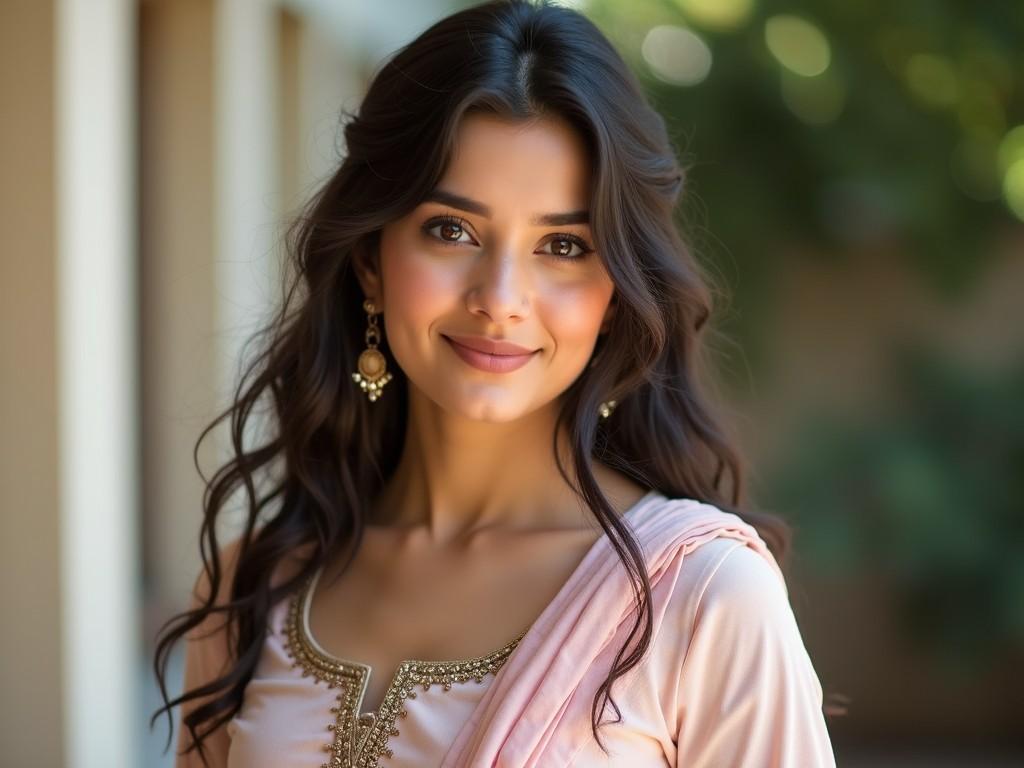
502 530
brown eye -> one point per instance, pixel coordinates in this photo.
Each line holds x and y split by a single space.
450 230
562 245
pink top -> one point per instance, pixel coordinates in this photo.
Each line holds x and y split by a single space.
727 681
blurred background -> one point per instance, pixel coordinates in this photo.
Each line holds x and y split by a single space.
856 188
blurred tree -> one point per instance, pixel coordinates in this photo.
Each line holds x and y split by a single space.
839 126
930 494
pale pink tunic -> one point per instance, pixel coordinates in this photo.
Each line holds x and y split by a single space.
727 682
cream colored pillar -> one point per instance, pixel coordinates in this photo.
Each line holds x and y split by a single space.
68 454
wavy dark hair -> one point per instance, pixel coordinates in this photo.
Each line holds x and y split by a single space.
334 450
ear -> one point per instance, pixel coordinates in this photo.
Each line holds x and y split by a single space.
366 265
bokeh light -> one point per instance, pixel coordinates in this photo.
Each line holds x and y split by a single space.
797 44
676 55
719 15
1011 148
1010 157
1013 188
932 79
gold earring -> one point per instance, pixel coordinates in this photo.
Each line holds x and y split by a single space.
373 373
604 409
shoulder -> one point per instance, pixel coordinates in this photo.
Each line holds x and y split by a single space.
718 583
699 538
227 562
700 566
740 601
229 556
742 628
746 659
743 616
743 582
714 583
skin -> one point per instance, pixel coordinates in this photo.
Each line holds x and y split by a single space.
476 514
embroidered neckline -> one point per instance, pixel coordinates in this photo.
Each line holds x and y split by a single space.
361 739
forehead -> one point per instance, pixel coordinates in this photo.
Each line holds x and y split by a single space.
519 167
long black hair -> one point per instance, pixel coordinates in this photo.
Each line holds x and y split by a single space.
309 484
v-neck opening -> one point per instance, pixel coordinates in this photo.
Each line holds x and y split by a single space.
404 664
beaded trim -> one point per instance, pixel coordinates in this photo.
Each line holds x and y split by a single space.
361 739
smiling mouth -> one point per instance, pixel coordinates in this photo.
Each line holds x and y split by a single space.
487 362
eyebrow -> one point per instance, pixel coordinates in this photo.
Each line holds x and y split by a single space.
438 195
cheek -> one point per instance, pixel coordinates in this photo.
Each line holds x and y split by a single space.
573 313
417 291
412 288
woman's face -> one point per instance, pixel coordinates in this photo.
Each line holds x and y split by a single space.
501 251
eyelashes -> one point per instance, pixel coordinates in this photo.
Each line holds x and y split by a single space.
455 221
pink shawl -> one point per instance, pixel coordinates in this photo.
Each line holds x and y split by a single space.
529 716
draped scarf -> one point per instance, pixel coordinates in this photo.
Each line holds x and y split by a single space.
537 710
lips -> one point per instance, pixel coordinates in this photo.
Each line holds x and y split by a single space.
490 346
490 355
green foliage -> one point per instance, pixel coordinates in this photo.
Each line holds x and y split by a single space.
927 90
928 495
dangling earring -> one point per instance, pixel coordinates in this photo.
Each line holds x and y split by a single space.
373 373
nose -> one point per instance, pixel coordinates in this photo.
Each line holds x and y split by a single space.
501 287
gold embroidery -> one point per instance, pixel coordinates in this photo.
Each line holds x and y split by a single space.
360 740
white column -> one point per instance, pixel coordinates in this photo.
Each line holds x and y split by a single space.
246 185
97 392
245 193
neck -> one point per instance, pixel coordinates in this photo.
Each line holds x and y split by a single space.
458 475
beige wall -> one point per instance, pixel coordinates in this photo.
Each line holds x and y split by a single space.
30 677
67 475
176 134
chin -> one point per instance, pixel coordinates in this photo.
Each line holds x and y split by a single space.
491 412
495 410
